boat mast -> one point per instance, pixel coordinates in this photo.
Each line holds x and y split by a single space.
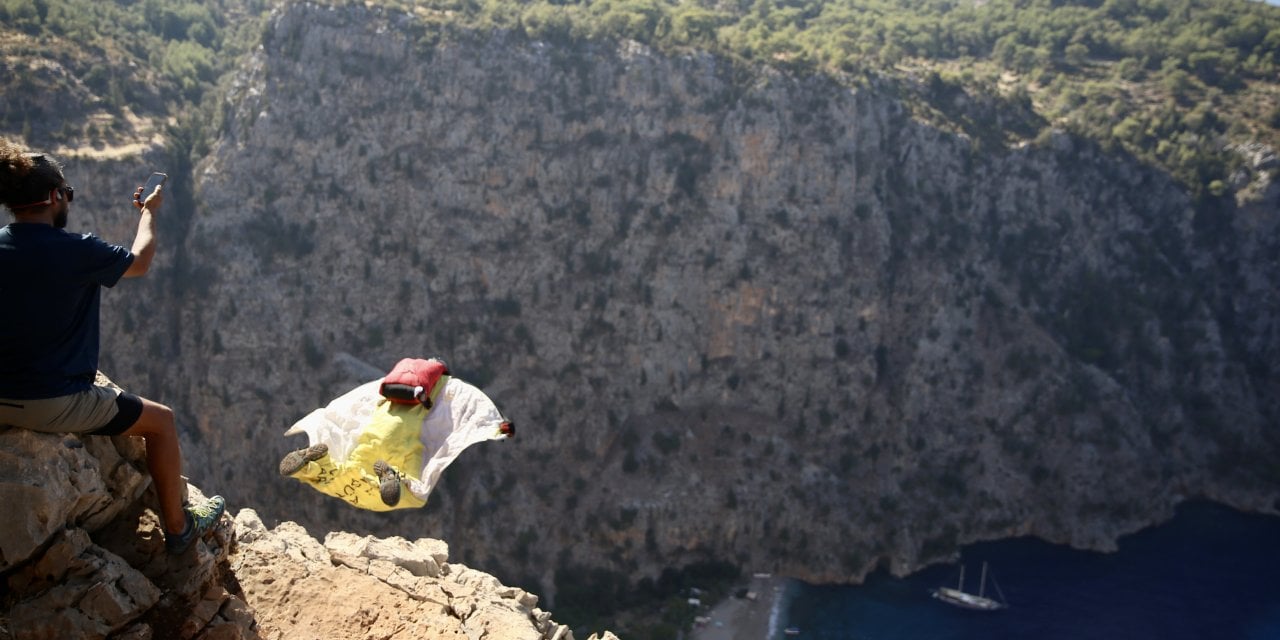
961 587
982 586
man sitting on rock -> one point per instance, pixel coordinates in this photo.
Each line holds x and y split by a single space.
50 284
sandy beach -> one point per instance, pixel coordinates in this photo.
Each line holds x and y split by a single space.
745 618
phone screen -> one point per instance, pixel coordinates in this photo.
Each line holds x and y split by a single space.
154 181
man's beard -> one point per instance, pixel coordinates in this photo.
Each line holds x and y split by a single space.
60 219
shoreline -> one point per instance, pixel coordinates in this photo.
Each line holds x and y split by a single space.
759 616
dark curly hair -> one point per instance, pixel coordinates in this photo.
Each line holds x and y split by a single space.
26 177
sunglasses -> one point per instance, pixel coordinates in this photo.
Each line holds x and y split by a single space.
66 190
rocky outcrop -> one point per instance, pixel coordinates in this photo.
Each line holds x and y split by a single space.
367 587
82 552
82 556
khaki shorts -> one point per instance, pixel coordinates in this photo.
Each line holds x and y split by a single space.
100 410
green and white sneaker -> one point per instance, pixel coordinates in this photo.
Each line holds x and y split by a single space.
200 520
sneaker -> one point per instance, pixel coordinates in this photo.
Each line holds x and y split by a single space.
200 520
296 460
388 483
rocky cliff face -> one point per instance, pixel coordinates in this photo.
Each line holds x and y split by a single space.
738 315
82 556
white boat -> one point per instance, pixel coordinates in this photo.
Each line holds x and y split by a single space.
979 601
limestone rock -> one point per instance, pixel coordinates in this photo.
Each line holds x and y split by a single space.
54 482
363 587
84 552
78 589
422 557
103 570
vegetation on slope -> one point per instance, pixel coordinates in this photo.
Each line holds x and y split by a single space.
85 73
1175 82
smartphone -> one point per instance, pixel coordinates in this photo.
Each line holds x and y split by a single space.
154 181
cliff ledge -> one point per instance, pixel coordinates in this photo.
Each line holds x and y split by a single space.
82 556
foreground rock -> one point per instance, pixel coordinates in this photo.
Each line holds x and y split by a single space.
374 588
82 556
82 550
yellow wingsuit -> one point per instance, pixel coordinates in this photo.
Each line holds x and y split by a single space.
361 427
391 435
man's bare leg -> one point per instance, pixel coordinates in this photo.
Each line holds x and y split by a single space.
164 461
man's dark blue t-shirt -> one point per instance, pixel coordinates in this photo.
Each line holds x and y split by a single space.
49 290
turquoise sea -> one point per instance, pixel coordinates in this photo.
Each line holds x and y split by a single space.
1211 573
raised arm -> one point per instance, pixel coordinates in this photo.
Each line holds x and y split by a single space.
144 242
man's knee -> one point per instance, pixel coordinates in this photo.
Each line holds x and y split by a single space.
158 413
156 419
162 411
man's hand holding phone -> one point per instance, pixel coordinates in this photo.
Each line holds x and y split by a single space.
150 196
